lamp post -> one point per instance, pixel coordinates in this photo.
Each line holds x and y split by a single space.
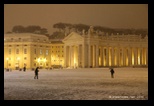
7 62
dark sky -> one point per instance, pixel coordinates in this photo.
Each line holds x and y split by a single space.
45 15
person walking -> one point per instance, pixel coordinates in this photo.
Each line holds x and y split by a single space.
112 73
36 73
24 68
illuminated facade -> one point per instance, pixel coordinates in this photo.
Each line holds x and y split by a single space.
30 50
94 49
75 50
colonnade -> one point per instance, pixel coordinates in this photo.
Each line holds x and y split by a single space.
83 55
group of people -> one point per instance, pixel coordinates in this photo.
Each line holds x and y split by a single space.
36 72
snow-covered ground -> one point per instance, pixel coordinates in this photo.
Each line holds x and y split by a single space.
77 84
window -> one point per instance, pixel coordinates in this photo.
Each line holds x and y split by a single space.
25 58
34 64
9 64
34 51
9 51
17 51
40 51
46 52
25 51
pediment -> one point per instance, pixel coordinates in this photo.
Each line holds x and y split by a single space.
73 37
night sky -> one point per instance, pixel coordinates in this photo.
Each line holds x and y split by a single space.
45 15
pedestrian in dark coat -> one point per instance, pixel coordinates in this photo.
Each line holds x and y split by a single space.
24 69
36 73
112 72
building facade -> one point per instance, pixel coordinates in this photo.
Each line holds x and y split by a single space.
75 50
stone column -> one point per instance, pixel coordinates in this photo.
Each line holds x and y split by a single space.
70 56
79 56
107 55
129 56
147 56
141 56
124 57
118 62
97 55
93 59
65 56
144 56
83 55
101 56
112 57
89 55
135 56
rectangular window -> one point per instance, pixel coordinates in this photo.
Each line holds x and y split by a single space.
25 51
46 52
40 51
25 58
17 51
34 51
9 51
9 64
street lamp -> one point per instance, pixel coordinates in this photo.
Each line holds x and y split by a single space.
7 62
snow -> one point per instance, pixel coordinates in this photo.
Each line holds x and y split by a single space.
77 84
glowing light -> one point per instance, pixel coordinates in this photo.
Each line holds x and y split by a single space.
44 60
7 58
138 60
18 58
38 60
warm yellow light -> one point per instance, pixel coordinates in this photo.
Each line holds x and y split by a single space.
44 60
7 58
18 58
138 60
38 60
